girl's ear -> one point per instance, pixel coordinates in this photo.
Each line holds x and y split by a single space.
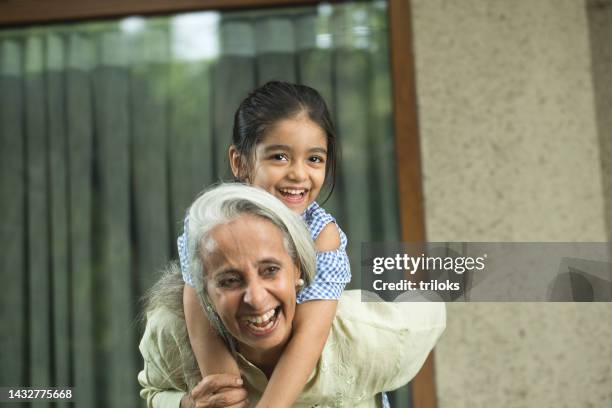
236 163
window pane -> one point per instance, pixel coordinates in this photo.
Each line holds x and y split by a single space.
108 130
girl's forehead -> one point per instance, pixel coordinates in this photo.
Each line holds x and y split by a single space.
295 131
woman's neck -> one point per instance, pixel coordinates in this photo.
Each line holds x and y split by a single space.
264 360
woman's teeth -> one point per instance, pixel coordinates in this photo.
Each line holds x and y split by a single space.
262 320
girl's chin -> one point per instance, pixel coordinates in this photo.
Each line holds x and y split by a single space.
297 208
295 204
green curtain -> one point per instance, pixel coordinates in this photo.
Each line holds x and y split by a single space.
108 130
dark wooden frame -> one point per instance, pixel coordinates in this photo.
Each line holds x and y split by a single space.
408 162
408 156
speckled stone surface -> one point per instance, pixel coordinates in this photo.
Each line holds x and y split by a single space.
599 14
526 355
511 152
507 120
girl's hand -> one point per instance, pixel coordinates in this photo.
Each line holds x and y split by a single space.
217 391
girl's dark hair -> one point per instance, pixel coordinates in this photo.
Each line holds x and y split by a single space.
274 101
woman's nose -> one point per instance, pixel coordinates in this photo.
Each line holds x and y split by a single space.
255 295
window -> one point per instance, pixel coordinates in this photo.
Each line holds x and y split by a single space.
109 128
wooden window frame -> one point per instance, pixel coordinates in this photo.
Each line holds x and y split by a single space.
405 120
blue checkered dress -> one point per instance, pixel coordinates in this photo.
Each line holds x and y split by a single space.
333 267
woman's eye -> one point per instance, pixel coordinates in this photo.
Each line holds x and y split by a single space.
270 270
230 282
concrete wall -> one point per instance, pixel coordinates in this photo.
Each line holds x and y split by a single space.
599 13
512 151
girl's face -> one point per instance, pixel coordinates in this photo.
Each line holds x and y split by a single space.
289 162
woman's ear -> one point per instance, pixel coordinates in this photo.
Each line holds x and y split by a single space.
298 273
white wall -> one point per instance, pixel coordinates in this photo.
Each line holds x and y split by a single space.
511 153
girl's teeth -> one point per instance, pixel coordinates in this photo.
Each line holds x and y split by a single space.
293 192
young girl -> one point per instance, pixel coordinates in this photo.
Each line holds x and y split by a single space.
284 142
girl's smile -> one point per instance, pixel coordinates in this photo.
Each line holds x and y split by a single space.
289 162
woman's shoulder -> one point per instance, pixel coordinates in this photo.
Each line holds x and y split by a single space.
380 346
367 309
165 333
162 318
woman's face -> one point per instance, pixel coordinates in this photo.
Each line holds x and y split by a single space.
251 283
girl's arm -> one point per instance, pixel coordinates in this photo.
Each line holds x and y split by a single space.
311 326
211 353
312 323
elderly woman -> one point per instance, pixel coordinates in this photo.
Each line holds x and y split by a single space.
250 255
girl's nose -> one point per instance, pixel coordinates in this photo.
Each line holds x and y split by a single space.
255 295
297 171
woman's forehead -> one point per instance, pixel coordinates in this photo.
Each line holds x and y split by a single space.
247 239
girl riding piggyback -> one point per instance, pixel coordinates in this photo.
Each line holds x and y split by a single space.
283 142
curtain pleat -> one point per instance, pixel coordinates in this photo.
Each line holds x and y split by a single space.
190 140
80 126
382 151
114 280
58 195
275 59
13 272
38 220
315 66
351 74
149 158
233 78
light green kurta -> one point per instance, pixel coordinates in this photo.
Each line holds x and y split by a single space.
372 347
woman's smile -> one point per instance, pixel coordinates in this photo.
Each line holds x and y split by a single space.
251 282
263 324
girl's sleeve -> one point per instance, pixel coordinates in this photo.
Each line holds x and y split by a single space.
332 275
181 244
162 385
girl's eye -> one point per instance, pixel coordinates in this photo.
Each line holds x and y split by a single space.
279 156
317 159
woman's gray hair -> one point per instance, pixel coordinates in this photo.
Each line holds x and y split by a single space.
167 293
227 202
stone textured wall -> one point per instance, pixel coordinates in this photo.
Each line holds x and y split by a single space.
512 152
599 14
